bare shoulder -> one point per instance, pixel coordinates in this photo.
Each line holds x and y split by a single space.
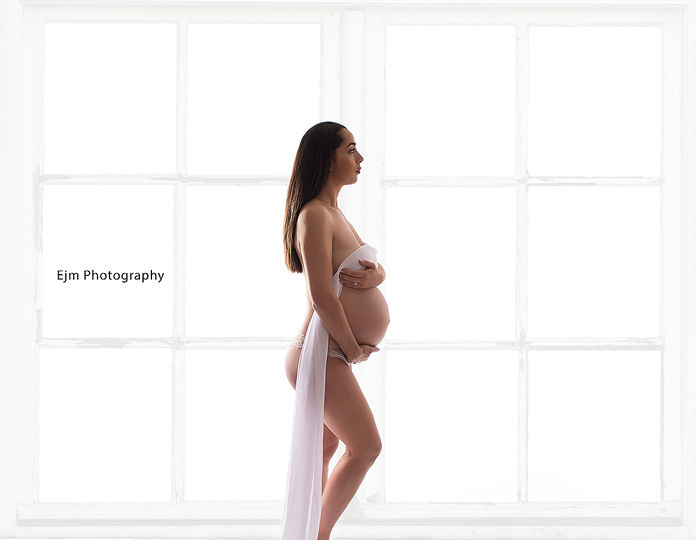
314 219
315 214
313 207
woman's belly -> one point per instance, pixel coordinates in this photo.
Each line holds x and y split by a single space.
367 314
368 318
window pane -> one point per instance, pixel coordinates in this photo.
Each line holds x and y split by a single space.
440 446
229 394
253 90
450 100
235 284
105 425
454 249
594 261
595 100
594 426
125 230
110 98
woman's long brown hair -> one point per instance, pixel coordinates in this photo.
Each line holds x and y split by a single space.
309 175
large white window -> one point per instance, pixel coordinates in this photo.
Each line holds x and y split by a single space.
526 183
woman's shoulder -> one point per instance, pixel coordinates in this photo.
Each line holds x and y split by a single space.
315 210
314 215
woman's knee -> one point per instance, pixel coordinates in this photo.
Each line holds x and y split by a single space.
378 448
367 452
375 450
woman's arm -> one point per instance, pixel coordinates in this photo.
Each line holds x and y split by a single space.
316 239
363 279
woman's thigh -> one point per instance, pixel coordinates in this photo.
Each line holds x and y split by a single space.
346 411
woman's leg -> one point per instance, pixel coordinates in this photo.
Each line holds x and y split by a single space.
292 358
330 447
347 414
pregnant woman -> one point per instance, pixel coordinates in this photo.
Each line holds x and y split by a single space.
346 318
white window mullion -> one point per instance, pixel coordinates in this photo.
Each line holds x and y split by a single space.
521 255
354 199
352 98
330 105
374 195
179 268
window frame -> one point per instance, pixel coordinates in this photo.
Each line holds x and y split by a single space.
346 28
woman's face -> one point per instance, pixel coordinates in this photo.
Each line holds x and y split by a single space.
346 161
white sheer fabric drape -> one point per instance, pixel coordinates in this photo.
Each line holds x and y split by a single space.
302 508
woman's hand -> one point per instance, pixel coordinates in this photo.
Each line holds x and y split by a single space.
372 276
365 352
